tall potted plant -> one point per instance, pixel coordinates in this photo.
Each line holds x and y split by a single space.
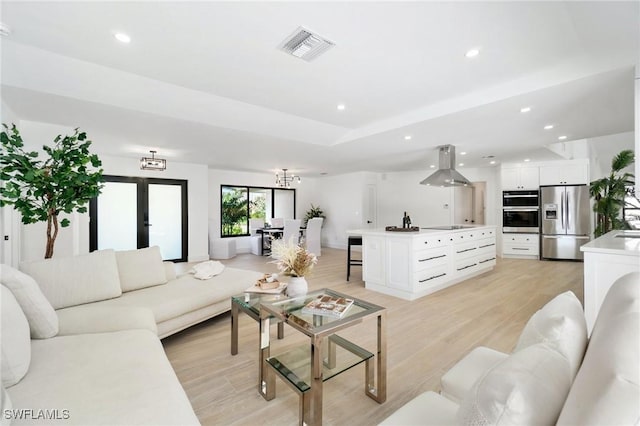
40 190
609 193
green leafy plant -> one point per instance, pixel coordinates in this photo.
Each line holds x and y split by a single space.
314 211
42 189
234 212
609 194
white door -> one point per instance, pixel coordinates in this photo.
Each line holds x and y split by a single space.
463 205
370 213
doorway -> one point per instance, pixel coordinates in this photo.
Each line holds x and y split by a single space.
134 212
469 204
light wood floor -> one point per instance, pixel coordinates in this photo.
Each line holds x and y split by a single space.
425 338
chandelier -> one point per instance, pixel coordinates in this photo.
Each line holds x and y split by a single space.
153 163
284 180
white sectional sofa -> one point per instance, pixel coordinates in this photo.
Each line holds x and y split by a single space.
80 342
555 375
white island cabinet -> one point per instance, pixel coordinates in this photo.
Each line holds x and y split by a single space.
410 265
606 259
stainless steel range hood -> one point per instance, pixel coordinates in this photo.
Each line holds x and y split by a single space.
446 175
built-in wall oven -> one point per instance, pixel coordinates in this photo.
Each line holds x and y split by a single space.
521 212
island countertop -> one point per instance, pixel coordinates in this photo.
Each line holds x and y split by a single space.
422 231
625 243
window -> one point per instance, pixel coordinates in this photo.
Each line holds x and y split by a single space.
631 208
238 204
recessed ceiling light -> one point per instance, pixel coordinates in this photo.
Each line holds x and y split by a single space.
460 164
526 160
472 53
492 162
122 37
548 127
525 109
563 137
433 166
341 107
407 138
463 153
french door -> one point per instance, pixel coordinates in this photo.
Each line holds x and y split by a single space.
133 212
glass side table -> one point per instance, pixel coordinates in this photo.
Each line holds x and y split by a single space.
249 303
305 368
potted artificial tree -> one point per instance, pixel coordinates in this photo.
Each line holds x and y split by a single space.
609 193
40 190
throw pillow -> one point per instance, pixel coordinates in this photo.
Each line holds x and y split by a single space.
140 268
560 323
527 388
70 281
16 344
43 320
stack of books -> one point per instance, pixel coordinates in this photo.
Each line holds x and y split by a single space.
329 306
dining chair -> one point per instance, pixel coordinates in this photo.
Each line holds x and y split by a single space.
291 231
255 224
313 239
277 222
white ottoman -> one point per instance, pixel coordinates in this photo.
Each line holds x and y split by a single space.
223 248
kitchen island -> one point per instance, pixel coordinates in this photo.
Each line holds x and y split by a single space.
410 265
606 259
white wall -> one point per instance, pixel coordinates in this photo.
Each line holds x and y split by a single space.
603 149
400 192
75 239
341 197
305 195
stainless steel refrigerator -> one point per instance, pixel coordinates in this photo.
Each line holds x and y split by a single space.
565 221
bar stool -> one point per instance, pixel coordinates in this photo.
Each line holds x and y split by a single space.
353 241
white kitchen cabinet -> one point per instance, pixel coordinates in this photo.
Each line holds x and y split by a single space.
606 259
374 255
520 178
521 245
412 265
565 174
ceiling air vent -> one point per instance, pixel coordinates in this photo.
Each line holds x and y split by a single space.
305 44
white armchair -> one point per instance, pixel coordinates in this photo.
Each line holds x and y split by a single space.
313 238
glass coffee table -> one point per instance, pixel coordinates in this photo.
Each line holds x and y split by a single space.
249 303
305 368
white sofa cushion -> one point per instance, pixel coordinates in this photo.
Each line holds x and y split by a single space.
527 388
16 343
458 381
427 409
606 390
43 321
186 294
562 325
119 378
140 268
69 281
101 319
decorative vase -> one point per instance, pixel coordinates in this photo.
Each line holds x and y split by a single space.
297 287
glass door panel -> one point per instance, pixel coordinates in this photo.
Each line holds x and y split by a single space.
165 219
117 210
284 205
